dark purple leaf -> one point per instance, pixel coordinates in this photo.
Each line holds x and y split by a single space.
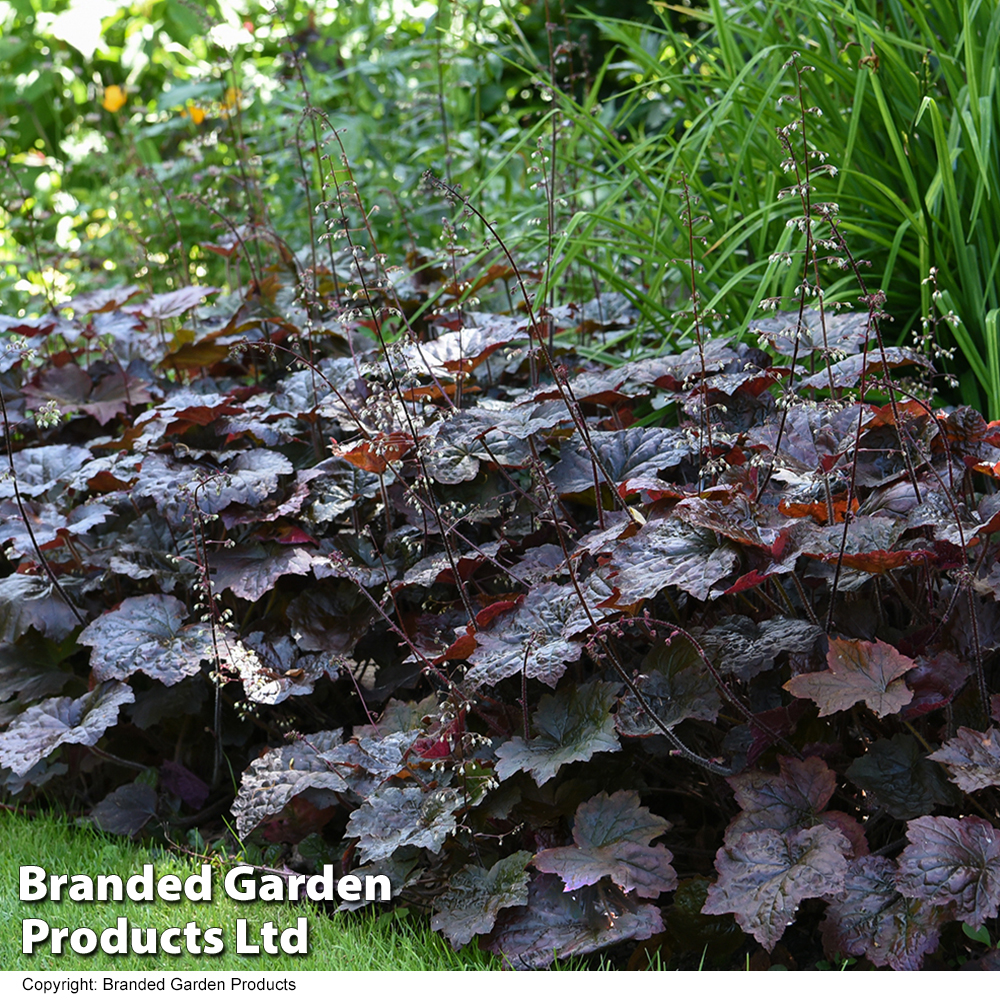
276 777
637 452
739 645
114 394
901 777
792 799
393 817
186 785
33 602
675 685
475 896
831 331
253 571
126 810
330 617
670 553
611 835
145 633
972 758
556 925
38 730
871 918
531 638
366 762
953 861
766 874
572 724
43 468
857 671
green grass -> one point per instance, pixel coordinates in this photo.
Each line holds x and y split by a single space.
359 941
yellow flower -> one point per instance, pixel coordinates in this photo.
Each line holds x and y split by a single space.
114 98
196 114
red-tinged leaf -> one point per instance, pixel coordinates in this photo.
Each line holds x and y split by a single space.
378 453
765 875
572 725
277 776
900 776
953 862
461 649
935 681
476 896
457 350
394 817
819 512
734 518
491 611
972 758
556 925
611 835
145 633
529 639
170 304
773 722
67 386
670 553
871 918
792 799
857 671
40 729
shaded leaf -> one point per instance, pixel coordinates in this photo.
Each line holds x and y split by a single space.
186 785
572 725
392 817
276 777
126 810
857 671
611 835
33 602
739 645
475 896
953 861
675 684
766 874
145 633
557 925
871 918
972 758
330 617
40 729
903 779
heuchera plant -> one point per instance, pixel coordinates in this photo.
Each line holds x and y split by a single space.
696 651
